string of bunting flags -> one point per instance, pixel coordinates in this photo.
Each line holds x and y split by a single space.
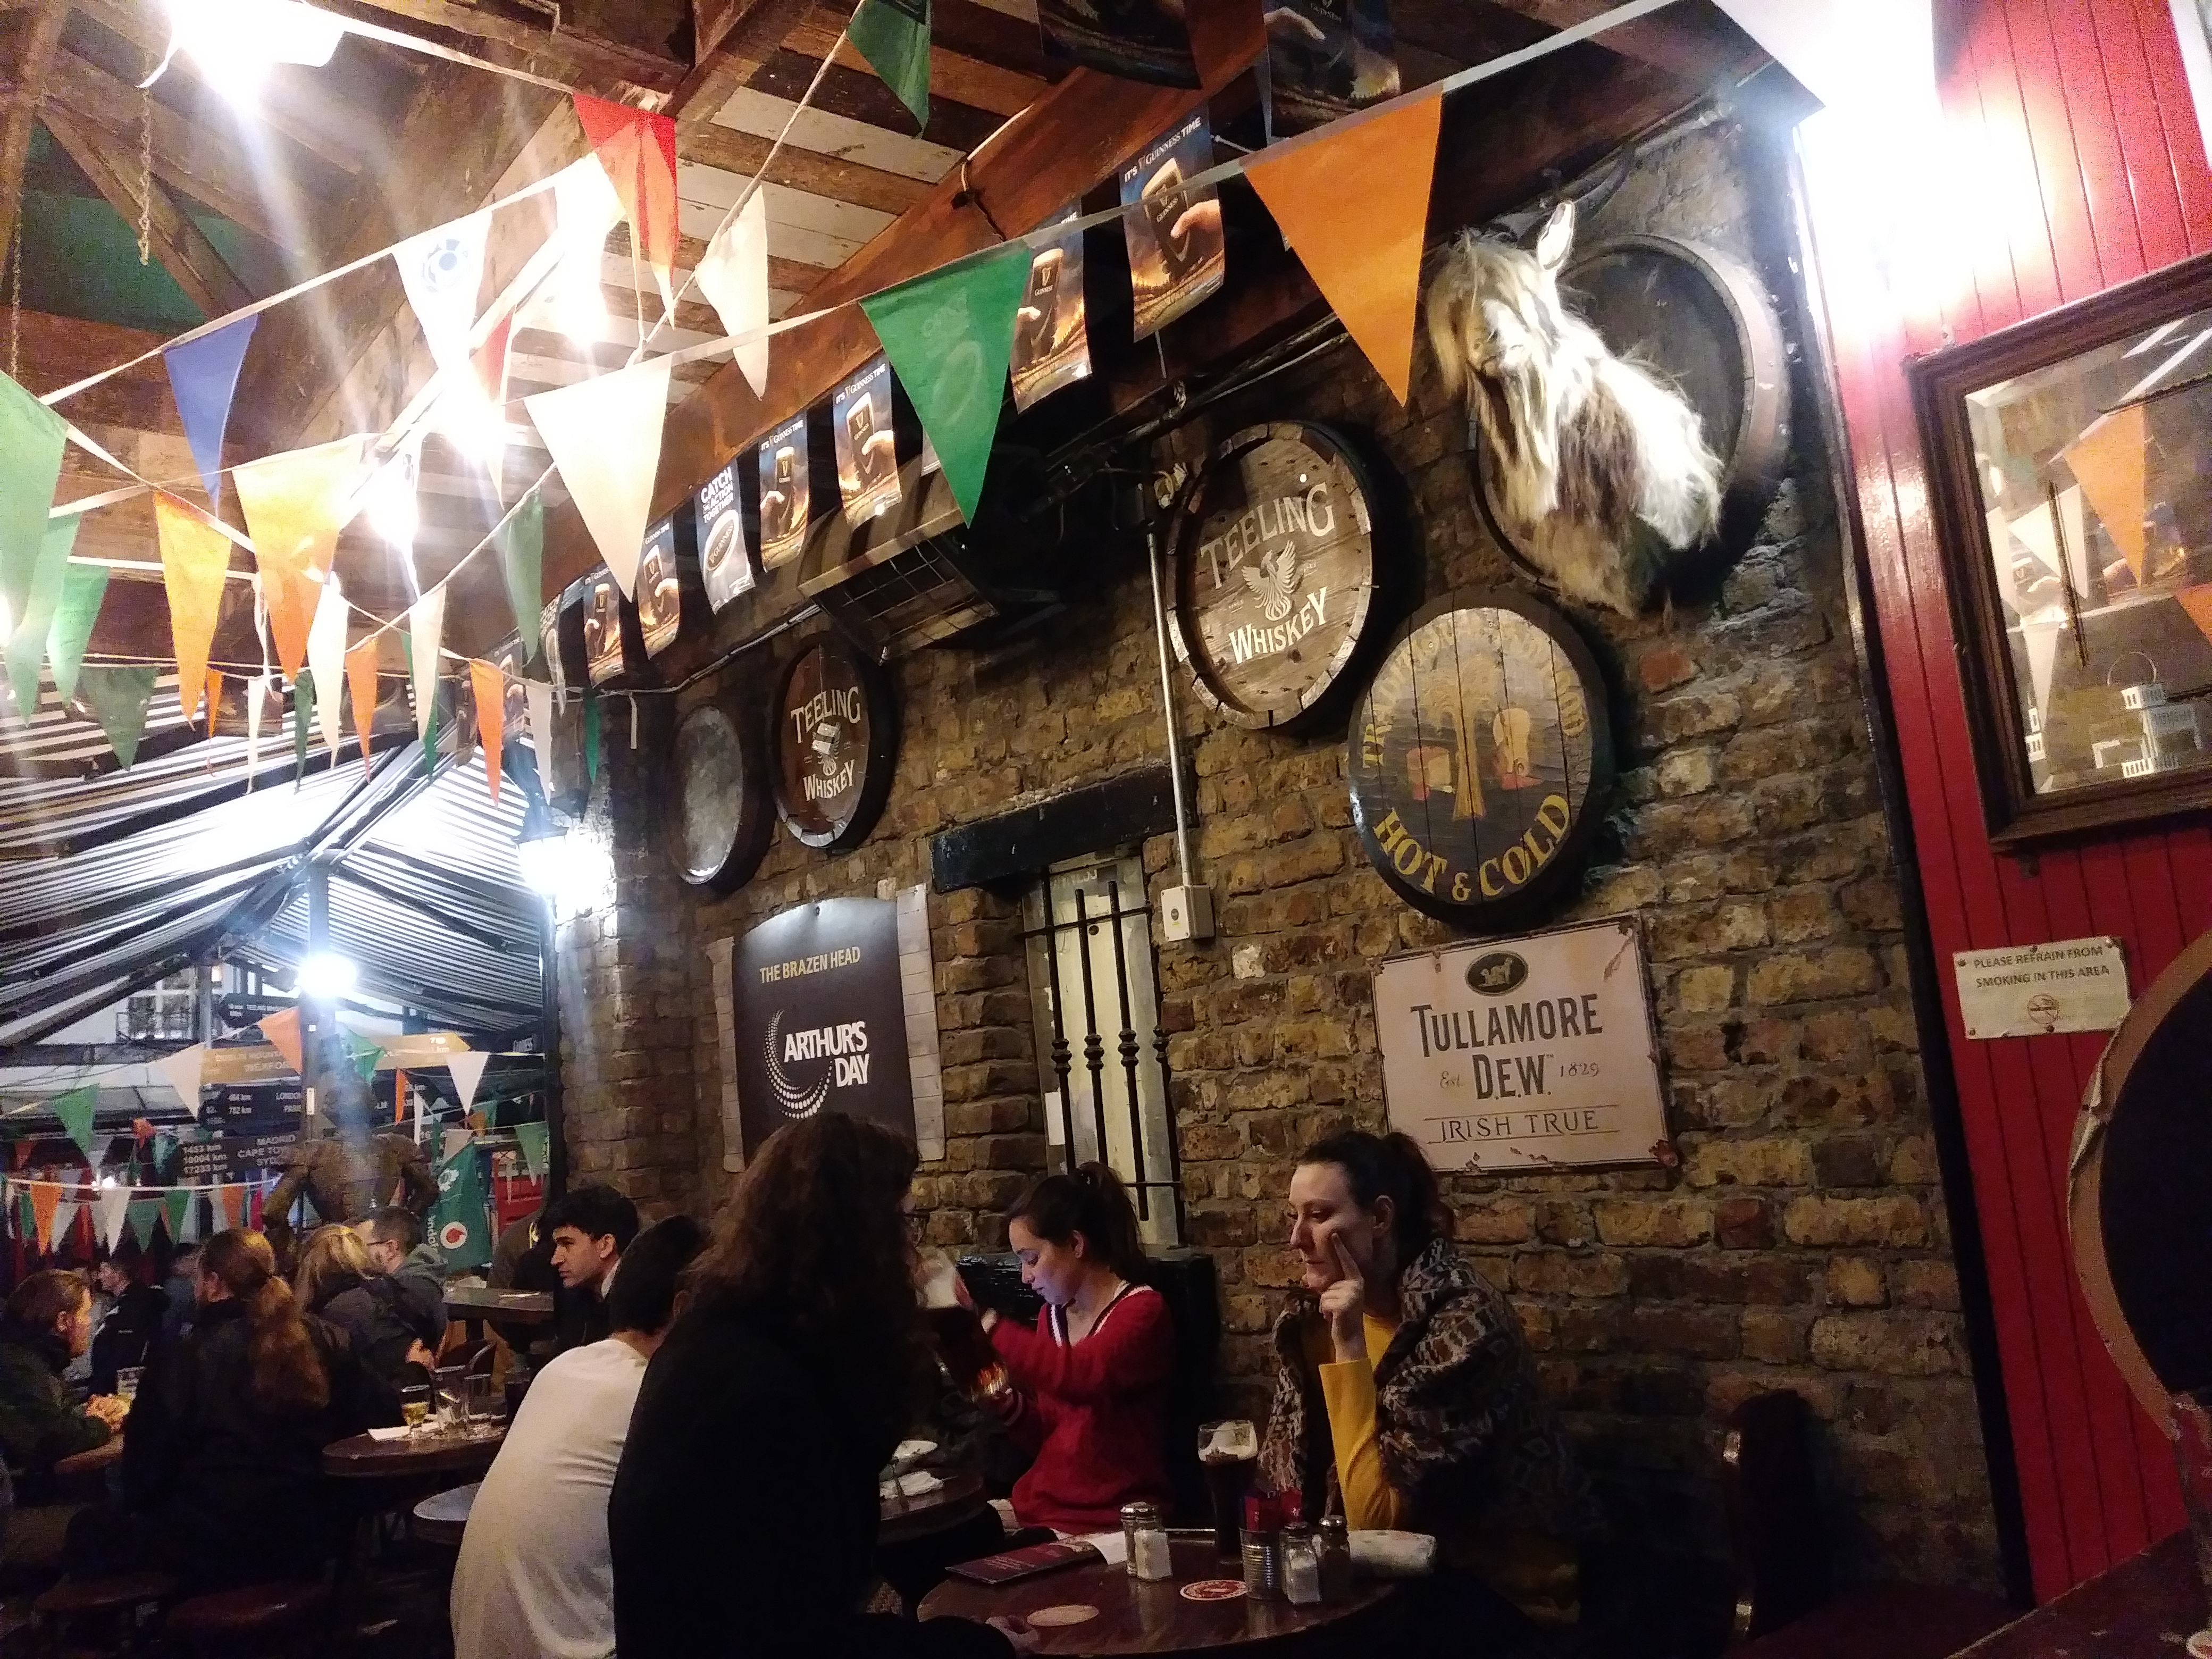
1350 196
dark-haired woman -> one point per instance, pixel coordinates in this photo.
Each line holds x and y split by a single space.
1406 1396
743 1519
222 1466
1090 1384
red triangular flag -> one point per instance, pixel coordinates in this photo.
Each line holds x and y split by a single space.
637 148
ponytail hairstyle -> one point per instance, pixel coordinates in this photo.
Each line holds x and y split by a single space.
1390 1166
1093 1202
287 1369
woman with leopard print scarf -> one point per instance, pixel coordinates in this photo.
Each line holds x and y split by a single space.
1406 1396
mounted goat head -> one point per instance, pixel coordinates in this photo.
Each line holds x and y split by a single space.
1602 466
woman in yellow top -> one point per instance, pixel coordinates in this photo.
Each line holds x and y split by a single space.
1406 1396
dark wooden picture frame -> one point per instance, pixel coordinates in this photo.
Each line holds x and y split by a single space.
2016 815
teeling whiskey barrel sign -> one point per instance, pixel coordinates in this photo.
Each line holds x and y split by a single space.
837 744
1479 758
1274 573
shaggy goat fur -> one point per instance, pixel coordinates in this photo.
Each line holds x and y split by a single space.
1603 467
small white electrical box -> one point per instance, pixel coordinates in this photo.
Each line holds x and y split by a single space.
1186 913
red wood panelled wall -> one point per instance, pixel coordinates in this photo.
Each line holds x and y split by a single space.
2071 133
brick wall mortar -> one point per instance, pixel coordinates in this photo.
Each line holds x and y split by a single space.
1801 1242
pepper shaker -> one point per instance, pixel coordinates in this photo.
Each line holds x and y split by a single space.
1333 1552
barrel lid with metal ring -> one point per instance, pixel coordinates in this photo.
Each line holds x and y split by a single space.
719 815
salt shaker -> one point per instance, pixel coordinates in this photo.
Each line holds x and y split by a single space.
1147 1535
1301 1567
1333 1552
1263 1552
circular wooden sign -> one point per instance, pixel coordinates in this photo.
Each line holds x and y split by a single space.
1704 324
1273 577
837 744
718 816
1480 758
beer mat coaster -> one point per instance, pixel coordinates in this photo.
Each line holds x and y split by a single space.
2199 1645
1070 1613
1207 1590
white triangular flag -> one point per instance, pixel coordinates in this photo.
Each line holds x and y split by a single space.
442 271
182 1068
604 436
1845 52
257 693
2040 532
733 275
219 1208
111 1209
65 1219
426 624
539 696
467 1070
326 648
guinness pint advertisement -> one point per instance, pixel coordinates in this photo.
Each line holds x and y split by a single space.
1136 39
1052 329
1327 59
1177 256
786 490
820 1018
1525 1054
604 654
659 589
867 446
726 566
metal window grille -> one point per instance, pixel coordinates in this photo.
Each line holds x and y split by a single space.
1089 934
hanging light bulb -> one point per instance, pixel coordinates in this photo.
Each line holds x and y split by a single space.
393 511
235 43
475 425
588 210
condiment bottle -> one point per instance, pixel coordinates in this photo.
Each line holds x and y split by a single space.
1333 1551
1147 1535
1263 1553
1301 1568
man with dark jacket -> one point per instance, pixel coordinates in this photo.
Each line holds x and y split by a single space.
590 1227
49 1323
415 1272
134 1319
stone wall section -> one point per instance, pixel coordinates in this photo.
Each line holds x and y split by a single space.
1800 1239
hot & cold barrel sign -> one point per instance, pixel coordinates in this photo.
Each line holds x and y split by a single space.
821 1018
1521 1054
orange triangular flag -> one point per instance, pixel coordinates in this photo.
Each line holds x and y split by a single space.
399 1094
2108 459
295 504
637 148
1354 206
45 1198
283 1030
213 696
360 681
195 558
2197 602
490 687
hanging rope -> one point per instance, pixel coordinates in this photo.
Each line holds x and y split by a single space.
15 301
145 176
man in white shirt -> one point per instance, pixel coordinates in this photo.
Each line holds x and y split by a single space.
534 1580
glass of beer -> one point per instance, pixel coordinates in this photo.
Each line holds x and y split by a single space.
414 1404
1228 1452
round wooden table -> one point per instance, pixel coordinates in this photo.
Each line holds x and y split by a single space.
1138 1618
442 1517
98 1460
960 1499
364 1457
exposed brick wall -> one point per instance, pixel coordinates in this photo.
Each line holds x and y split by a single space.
1801 1242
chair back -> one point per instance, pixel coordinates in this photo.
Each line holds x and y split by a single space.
1773 1509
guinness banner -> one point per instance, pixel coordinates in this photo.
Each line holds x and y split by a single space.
820 1018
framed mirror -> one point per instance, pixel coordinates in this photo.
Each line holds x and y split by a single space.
2070 479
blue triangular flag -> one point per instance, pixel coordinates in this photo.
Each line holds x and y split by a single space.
202 375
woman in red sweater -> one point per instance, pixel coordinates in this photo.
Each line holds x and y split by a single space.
1090 1384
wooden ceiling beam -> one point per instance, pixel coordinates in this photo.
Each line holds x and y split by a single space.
587 62
1696 42
182 247
964 80
27 56
743 155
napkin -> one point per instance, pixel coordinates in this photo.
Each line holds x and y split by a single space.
1395 1554
399 1433
918 1483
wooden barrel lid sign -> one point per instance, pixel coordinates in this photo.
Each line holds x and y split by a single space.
837 742
720 817
1274 573
1479 758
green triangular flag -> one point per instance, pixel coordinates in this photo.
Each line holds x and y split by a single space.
949 335
536 1141
143 1214
27 648
893 35
26 1218
32 437
430 741
83 587
590 739
75 1110
303 721
364 1054
173 1205
117 698
522 559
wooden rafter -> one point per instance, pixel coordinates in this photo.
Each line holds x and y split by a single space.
742 153
606 69
181 247
23 74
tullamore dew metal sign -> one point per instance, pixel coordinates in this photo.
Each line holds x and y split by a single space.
1525 1054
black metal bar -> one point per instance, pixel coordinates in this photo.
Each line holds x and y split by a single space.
1060 1055
1094 1046
1129 1051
